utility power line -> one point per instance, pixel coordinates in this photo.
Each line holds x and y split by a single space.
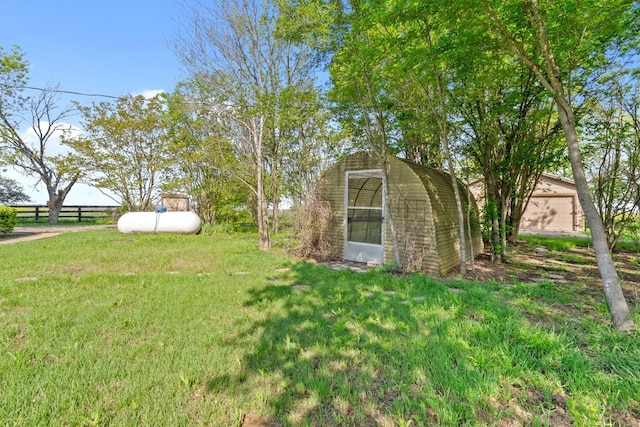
69 92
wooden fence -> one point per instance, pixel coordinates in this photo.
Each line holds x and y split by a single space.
41 212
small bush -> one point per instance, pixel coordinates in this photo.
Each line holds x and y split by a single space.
8 219
633 234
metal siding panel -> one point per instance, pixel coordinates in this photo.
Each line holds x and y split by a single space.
414 220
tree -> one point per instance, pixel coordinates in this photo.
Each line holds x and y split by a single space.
612 132
14 69
512 131
204 158
513 135
563 43
47 121
300 138
11 192
310 144
389 87
407 46
251 73
124 148
437 95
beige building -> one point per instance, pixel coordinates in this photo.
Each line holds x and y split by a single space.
554 206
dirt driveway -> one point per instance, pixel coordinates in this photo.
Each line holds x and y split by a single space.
22 234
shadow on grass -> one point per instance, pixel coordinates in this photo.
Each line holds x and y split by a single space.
341 348
360 349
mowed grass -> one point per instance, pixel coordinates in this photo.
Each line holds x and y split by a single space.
101 328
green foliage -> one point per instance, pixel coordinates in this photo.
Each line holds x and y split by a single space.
402 84
14 69
204 159
633 233
8 219
612 133
125 148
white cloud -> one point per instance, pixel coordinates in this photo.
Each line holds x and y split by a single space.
149 93
53 147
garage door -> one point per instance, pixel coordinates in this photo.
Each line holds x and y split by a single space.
549 214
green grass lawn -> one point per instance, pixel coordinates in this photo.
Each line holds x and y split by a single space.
101 328
43 222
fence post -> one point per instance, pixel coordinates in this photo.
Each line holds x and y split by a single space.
37 213
79 214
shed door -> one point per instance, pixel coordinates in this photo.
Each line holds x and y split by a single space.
364 225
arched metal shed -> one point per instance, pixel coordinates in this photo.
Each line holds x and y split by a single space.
422 206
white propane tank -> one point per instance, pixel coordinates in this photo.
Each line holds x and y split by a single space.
159 222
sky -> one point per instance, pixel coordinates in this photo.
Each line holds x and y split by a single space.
109 47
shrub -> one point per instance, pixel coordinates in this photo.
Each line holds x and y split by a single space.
310 228
8 219
633 233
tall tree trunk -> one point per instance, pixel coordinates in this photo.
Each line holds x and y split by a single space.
263 213
515 211
469 230
56 199
262 205
492 213
276 215
503 227
495 239
275 183
620 314
263 220
55 206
